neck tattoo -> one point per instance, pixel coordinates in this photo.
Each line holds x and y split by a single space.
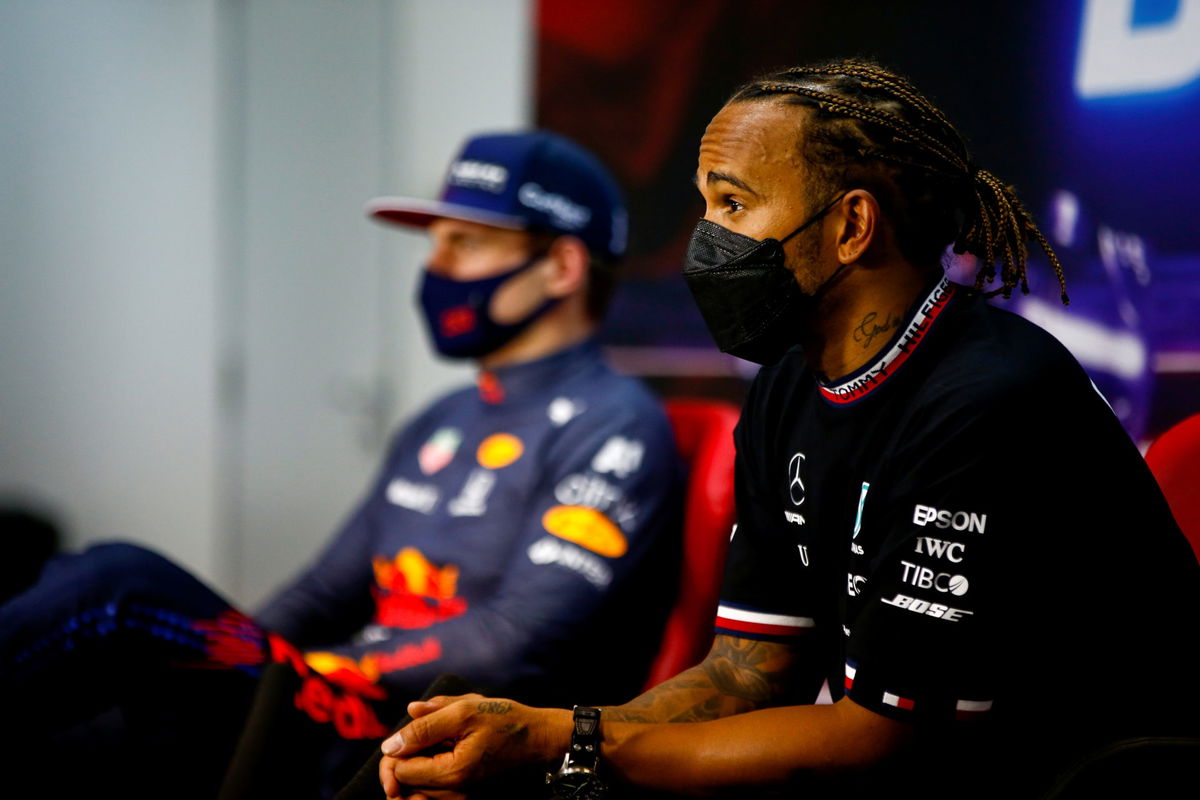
871 327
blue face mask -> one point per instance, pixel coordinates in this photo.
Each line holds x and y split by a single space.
458 316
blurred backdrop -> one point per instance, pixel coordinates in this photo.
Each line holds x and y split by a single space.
203 342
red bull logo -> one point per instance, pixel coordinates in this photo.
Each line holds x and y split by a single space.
412 592
362 675
329 699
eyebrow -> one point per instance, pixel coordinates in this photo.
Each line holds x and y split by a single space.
723 177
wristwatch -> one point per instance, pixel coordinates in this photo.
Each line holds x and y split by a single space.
576 779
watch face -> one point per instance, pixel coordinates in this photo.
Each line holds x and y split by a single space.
581 785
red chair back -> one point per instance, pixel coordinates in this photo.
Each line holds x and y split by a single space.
704 433
1174 458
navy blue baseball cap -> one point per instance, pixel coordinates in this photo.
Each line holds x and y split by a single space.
523 181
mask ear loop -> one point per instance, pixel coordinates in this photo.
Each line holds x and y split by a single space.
817 216
829 207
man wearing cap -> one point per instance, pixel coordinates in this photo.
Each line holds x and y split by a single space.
516 530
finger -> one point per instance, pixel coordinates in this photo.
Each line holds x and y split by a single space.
433 772
426 731
394 744
391 786
419 708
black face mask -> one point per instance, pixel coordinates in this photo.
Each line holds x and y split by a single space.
748 297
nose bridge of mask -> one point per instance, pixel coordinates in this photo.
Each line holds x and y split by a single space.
715 247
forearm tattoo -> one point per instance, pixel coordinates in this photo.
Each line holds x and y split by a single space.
738 675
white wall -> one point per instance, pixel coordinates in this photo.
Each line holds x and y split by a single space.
342 103
108 237
202 340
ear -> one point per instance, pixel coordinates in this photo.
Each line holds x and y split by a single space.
567 264
859 215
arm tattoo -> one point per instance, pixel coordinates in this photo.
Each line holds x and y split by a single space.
738 675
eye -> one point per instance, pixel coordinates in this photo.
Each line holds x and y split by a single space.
732 204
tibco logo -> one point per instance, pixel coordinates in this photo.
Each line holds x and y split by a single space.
958 520
925 578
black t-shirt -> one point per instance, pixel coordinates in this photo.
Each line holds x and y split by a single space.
975 543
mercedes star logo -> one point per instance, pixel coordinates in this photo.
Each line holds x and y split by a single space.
795 484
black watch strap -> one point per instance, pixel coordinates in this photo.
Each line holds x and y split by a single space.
585 738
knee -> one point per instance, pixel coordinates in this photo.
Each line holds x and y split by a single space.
125 563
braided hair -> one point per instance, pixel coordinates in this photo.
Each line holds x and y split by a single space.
872 128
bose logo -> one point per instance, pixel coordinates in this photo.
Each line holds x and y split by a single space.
958 520
935 610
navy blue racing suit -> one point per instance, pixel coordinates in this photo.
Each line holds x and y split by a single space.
518 534
512 528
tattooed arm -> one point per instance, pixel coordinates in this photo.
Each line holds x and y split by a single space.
738 675
735 738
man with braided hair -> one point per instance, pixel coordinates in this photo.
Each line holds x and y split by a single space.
938 516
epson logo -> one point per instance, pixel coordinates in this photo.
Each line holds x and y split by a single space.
478 175
958 520
935 610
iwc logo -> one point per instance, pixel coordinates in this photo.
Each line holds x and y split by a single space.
795 481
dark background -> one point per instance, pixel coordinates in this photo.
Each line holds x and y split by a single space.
637 82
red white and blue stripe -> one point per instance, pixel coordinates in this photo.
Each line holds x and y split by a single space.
872 376
738 619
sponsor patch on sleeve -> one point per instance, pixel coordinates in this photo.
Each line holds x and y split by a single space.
586 527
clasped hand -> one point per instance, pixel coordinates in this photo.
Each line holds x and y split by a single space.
455 742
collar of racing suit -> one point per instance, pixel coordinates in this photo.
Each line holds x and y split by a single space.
540 376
